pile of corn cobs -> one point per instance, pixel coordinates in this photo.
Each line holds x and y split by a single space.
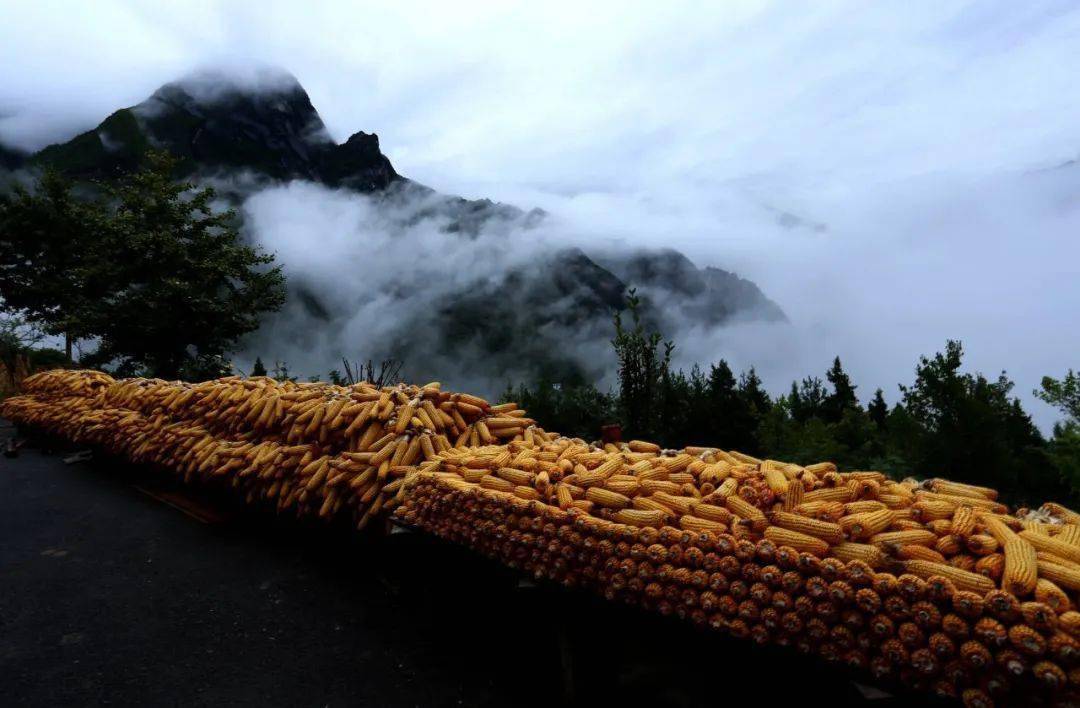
310 449
936 585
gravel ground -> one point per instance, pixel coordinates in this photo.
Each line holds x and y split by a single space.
119 589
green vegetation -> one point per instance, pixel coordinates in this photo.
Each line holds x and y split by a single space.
1065 445
147 269
947 422
50 248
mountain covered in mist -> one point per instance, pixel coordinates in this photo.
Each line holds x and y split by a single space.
243 136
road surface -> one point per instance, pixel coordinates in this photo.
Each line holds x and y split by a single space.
119 588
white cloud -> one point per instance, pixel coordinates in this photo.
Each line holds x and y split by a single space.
913 131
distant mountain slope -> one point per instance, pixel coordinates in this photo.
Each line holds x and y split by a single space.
709 296
266 130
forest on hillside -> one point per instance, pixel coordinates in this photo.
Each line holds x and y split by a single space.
948 422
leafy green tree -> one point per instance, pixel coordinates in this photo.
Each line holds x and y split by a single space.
258 368
185 287
280 372
52 257
857 440
642 370
1064 395
970 429
578 411
775 434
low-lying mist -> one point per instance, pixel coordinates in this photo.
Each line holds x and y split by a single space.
878 276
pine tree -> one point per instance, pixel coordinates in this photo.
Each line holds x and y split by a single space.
842 397
754 405
642 370
878 410
752 391
258 368
721 384
807 400
725 409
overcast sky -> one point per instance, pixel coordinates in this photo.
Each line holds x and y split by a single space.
918 135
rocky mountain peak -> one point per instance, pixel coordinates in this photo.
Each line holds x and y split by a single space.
260 121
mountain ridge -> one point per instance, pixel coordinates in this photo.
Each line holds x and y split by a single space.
267 126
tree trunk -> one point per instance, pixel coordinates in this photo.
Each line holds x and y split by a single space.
67 345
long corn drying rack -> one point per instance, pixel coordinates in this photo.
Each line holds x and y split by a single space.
934 586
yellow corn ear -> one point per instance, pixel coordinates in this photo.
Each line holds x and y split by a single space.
848 551
712 512
1051 595
607 498
1065 514
962 579
926 510
650 504
776 479
565 498
1067 576
982 544
903 538
793 494
745 510
1070 533
864 505
949 545
519 477
963 521
680 504
1052 545
959 489
1021 563
915 552
825 530
694 523
798 541
835 494
640 517
868 523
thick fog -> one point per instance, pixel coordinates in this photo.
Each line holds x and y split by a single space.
891 175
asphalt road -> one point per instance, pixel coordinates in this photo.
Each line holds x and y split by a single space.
112 595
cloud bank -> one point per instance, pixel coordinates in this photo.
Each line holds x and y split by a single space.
884 172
